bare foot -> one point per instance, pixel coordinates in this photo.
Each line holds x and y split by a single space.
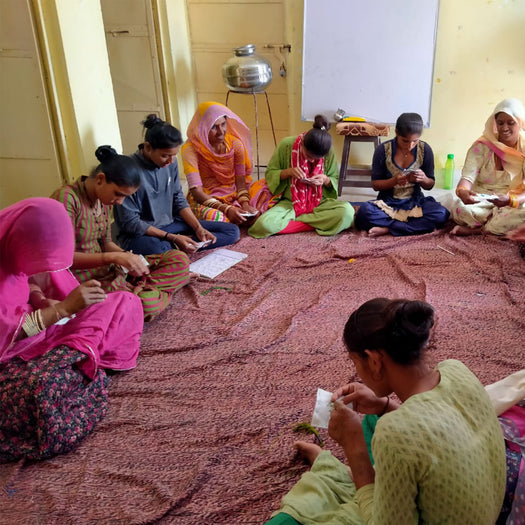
464 231
377 231
309 450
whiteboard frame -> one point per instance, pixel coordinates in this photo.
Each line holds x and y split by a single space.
404 55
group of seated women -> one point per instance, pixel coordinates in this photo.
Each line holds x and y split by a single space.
84 297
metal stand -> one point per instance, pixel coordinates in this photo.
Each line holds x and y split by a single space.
256 119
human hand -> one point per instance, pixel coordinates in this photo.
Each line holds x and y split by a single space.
81 297
345 424
362 398
133 263
183 242
247 207
401 179
318 180
204 235
235 216
467 196
416 176
501 201
294 173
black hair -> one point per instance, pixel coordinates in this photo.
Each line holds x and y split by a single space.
318 141
118 169
400 327
409 124
161 134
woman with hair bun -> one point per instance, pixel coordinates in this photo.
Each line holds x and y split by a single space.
439 454
158 217
303 170
89 202
401 168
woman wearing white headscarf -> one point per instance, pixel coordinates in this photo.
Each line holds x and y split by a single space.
491 191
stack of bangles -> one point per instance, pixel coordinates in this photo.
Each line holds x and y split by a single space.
513 201
217 205
34 323
243 196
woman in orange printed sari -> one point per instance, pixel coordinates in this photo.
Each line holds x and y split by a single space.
217 164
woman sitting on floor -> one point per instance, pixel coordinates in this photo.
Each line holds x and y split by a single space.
158 217
66 332
89 202
439 455
303 171
491 191
217 164
400 169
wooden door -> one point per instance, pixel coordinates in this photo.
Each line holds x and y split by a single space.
134 64
29 163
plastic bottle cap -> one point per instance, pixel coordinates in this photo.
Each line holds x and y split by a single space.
450 156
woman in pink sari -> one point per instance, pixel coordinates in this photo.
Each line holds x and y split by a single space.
56 336
217 163
36 236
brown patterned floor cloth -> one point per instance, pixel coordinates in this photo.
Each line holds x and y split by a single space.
201 431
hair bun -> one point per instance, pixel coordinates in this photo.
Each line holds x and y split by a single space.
321 122
104 153
151 120
411 324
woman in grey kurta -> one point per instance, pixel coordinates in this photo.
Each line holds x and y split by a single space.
158 217
303 170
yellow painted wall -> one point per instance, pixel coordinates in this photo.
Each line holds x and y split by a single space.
479 61
88 77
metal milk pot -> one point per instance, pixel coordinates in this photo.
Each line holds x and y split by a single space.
247 72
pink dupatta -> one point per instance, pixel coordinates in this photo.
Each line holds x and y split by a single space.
36 236
305 197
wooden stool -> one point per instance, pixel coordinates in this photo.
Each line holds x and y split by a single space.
359 177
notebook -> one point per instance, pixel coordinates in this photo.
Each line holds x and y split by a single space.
216 262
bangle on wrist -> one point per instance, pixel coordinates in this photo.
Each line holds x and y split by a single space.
165 238
383 412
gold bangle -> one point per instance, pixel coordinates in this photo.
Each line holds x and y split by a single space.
212 203
59 317
242 192
33 323
513 200
461 188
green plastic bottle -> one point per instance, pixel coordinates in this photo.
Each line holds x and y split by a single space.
448 179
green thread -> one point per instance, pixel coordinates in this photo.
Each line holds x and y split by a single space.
309 429
206 292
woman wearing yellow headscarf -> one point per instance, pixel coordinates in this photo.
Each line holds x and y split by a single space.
217 164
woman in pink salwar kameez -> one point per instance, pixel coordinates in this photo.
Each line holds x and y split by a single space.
36 236
56 336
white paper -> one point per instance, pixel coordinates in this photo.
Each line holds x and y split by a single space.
216 262
322 409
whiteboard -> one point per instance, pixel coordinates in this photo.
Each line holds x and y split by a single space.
372 58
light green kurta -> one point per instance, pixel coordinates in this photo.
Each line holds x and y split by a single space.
439 458
329 218
480 170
